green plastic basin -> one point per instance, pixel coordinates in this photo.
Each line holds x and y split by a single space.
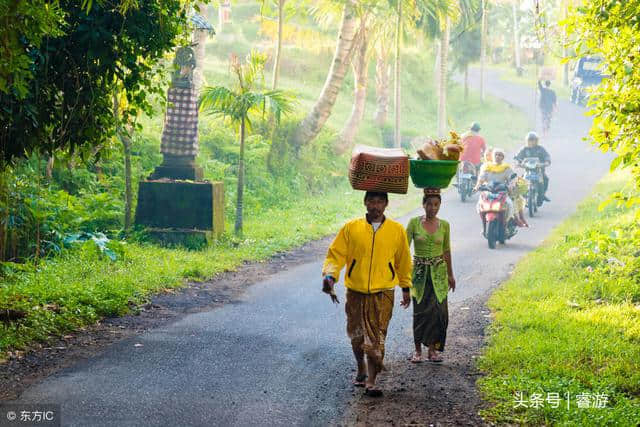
432 173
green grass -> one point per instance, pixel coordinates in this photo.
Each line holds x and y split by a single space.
568 321
80 286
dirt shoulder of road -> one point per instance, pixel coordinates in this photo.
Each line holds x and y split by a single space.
428 394
26 368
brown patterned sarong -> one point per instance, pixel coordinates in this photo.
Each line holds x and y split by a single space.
368 317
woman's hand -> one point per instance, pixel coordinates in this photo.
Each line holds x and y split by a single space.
452 283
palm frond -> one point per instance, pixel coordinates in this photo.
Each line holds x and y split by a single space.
219 100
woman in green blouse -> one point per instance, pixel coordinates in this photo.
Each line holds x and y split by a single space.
432 278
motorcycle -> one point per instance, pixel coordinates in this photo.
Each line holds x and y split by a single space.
493 208
535 179
467 177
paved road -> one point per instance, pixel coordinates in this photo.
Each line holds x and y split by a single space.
281 356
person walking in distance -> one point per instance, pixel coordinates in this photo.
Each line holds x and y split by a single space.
548 104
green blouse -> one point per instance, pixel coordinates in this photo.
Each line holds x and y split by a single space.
428 245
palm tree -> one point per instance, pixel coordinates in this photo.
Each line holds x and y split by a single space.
483 46
237 104
276 62
442 77
317 117
436 23
360 67
466 50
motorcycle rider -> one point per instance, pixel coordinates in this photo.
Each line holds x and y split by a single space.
533 149
497 171
474 146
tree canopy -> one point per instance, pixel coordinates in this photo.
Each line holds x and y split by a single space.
63 60
611 30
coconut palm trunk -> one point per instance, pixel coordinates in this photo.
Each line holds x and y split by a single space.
483 47
516 36
565 68
442 89
315 120
360 66
276 62
240 188
128 193
396 77
382 88
466 82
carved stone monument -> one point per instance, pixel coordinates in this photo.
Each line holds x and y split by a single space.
180 133
174 202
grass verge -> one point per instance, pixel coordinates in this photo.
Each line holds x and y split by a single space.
82 286
564 347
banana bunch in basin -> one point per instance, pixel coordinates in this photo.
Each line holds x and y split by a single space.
443 149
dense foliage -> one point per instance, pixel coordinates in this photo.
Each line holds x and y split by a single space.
611 30
74 65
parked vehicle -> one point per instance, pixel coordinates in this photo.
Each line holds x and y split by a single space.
587 73
466 178
493 209
534 175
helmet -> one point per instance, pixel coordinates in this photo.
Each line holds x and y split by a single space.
532 136
475 126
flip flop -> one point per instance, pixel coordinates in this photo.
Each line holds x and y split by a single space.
359 381
435 359
373 392
416 359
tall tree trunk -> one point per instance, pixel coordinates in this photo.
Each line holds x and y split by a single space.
240 190
125 139
565 68
436 63
383 72
396 77
50 162
442 92
37 215
128 193
466 82
276 62
360 67
483 47
315 120
4 211
516 36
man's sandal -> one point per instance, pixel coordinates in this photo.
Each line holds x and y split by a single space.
372 392
359 381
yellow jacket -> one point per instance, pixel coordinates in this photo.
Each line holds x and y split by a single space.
375 261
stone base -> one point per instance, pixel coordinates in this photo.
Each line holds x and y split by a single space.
176 205
177 167
190 239
191 173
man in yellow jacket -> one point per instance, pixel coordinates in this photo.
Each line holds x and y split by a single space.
376 253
